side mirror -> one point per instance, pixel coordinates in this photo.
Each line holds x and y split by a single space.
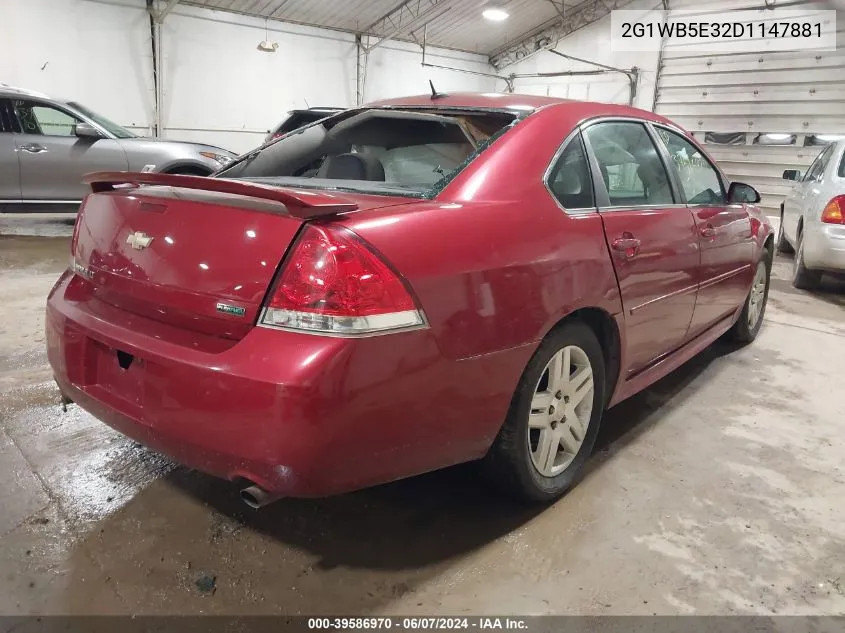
791 174
740 193
86 130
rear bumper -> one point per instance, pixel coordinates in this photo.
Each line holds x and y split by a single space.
824 246
298 414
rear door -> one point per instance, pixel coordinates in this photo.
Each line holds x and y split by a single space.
724 231
652 239
52 158
10 184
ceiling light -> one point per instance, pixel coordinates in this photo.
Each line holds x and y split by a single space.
495 14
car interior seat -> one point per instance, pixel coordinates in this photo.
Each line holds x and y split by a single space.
358 166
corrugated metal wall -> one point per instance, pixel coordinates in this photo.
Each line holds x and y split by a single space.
799 93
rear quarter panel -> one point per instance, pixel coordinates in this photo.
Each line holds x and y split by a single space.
493 260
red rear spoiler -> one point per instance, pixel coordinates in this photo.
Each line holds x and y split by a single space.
300 203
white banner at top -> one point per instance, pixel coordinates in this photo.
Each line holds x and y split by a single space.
743 31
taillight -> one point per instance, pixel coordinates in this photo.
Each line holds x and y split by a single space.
75 237
332 283
834 212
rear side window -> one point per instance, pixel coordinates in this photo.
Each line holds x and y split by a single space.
631 168
841 171
569 180
699 179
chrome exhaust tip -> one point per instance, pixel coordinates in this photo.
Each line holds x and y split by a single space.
256 497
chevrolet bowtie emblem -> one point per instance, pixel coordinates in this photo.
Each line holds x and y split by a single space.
138 240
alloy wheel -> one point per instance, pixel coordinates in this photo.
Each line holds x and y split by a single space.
758 296
561 409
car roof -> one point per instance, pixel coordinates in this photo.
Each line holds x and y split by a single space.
509 101
13 91
486 100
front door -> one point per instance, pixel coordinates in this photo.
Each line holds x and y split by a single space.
52 158
652 239
724 232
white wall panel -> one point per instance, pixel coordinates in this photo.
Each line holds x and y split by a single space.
799 92
591 43
93 52
218 88
395 69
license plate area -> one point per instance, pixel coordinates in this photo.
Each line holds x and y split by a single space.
119 373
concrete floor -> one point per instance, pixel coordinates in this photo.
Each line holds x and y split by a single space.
721 490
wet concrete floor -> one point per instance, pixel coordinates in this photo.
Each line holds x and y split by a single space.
720 490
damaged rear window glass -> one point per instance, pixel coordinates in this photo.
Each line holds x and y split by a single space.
381 151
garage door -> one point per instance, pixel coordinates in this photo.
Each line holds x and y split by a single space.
759 112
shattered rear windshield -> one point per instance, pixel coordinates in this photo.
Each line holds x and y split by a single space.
412 152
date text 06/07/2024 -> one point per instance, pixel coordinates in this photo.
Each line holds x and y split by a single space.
417 623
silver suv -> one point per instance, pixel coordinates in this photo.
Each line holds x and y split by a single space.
46 145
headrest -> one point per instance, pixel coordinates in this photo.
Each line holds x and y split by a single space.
351 167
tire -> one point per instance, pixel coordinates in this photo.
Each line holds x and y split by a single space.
750 319
513 459
803 277
782 244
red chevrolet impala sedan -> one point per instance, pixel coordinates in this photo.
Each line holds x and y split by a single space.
406 286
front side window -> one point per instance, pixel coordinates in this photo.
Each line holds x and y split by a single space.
113 128
630 165
38 118
379 151
569 179
700 181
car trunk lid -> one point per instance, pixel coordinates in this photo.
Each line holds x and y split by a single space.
195 253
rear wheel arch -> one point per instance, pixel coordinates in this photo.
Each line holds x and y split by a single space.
607 332
769 248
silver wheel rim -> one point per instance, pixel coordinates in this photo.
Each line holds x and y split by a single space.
757 297
560 411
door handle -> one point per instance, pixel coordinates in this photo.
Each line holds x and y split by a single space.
708 231
627 245
33 148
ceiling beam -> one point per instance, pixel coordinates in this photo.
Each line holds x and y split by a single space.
548 35
163 13
397 19
405 19
561 10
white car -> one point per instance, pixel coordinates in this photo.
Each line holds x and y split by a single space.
812 218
